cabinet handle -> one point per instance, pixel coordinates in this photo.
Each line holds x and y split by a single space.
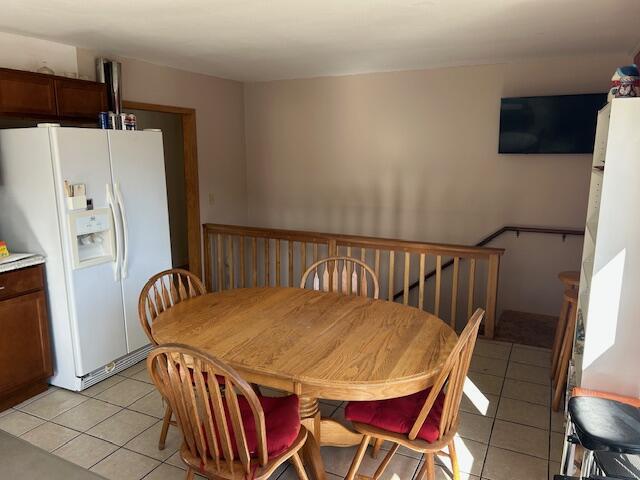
1 287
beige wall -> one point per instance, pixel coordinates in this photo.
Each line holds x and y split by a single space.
411 154
414 155
24 53
220 123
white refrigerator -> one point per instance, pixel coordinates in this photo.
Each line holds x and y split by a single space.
98 260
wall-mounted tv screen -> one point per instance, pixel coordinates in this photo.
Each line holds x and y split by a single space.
554 124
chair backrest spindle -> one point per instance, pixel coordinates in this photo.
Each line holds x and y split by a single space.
163 291
451 379
342 274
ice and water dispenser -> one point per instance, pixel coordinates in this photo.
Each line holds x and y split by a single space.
92 237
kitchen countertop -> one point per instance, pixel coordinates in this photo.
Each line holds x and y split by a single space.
7 265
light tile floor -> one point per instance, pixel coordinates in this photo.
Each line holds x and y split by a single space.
507 430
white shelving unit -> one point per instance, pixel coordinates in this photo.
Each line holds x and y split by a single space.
606 352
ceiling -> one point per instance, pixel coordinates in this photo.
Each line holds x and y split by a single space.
275 39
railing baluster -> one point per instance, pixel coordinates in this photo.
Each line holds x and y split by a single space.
421 283
220 263
391 275
267 263
278 263
227 266
492 290
472 279
407 268
303 258
207 264
241 272
230 261
436 309
290 260
254 262
454 292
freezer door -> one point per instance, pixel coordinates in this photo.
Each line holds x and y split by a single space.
137 164
97 318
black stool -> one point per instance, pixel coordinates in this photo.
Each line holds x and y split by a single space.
609 431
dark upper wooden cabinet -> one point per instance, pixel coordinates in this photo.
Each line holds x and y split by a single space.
37 95
25 353
27 93
80 99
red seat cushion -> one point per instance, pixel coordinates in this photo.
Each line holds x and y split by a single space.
219 378
282 421
399 414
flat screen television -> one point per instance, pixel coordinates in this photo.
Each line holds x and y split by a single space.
553 124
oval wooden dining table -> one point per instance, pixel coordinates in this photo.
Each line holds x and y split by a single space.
317 345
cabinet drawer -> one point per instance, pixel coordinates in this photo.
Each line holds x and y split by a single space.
20 282
24 344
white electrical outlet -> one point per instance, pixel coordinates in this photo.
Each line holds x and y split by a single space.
211 199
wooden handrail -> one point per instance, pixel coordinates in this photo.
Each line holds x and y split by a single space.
565 232
238 256
353 240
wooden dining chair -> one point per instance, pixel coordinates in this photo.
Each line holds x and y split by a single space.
231 433
163 291
341 274
160 293
426 421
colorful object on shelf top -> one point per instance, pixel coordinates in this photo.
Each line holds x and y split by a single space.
625 82
4 251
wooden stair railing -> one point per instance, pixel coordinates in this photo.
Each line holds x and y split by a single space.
237 257
565 232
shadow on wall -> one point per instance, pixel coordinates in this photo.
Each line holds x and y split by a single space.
529 267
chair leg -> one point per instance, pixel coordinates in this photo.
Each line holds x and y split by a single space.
454 460
165 427
428 470
189 474
297 464
376 447
385 462
357 460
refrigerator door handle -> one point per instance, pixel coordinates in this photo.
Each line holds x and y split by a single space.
125 232
116 263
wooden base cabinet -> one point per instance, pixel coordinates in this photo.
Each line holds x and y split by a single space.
25 353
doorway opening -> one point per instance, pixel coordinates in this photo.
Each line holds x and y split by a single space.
178 127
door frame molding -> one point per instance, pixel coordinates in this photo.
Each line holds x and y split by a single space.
190 153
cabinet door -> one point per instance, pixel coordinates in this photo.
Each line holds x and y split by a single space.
80 99
27 93
24 344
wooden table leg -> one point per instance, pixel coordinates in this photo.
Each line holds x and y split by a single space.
310 418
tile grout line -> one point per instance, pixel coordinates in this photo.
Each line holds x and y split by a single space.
493 423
